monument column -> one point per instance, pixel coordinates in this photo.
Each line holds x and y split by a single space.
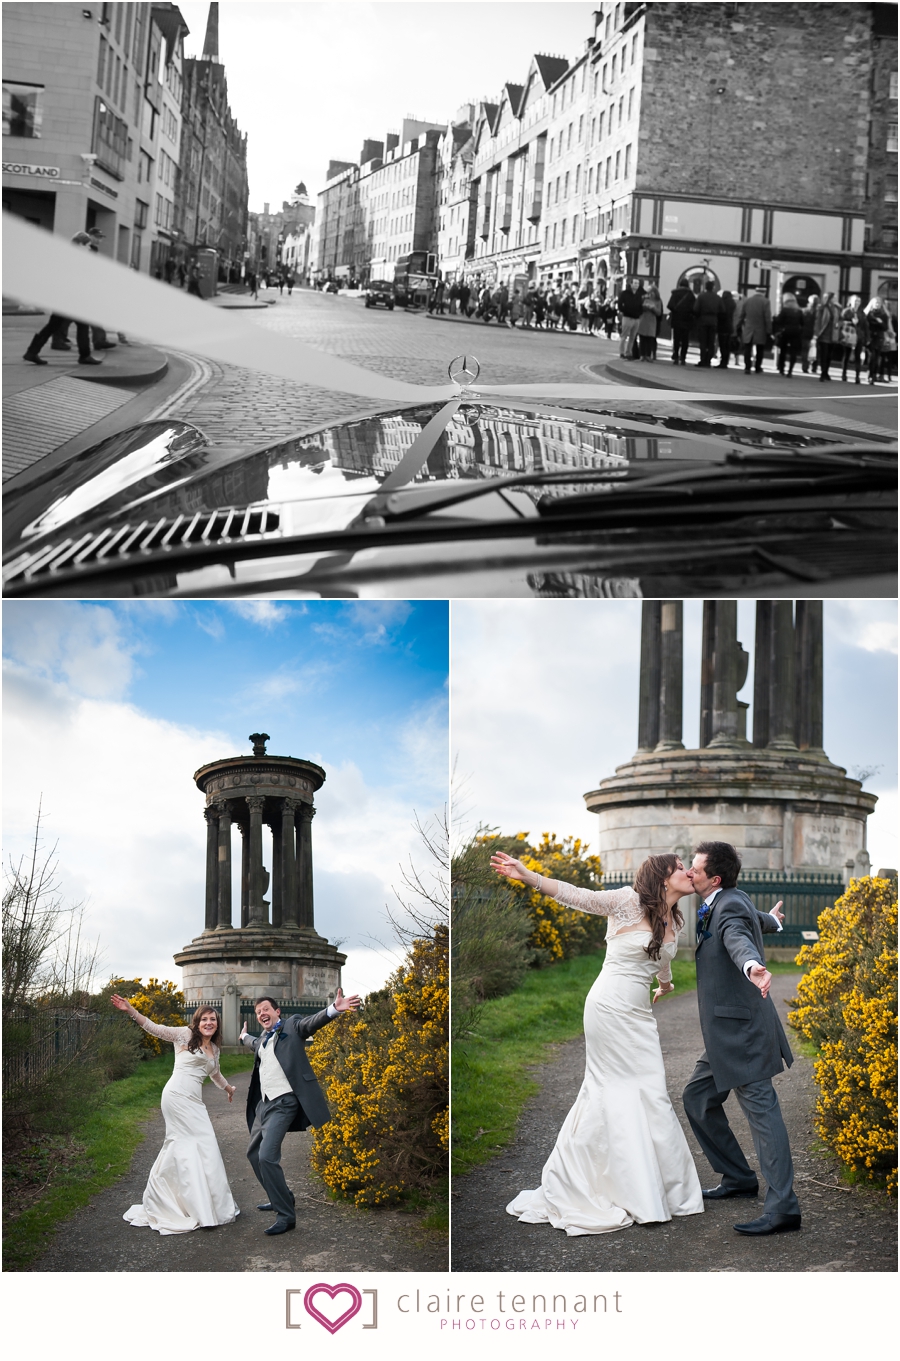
762 673
671 670
212 868
781 690
648 711
304 866
224 867
245 873
288 865
257 915
808 717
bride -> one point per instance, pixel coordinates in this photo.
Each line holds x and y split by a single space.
621 1157
187 1188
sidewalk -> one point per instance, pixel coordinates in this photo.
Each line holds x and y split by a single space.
46 408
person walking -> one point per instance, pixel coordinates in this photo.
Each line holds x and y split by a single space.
651 311
787 328
828 334
540 309
725 330
877 321
681 314
854 335
753 322
629 305
707 310
57 326
465 293
808 332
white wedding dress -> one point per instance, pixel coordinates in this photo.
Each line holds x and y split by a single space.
187 1188
621 1156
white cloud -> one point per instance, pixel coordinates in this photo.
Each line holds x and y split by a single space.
366 621
265 613
82 646
867 624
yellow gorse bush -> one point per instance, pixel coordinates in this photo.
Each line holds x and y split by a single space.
159 1002
385 1073
847 1006
559 932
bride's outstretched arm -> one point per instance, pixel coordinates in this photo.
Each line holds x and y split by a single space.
173 1034
617 902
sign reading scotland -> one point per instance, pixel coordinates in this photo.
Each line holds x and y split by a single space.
44 172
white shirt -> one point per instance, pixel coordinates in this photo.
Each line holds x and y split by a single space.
751 963
273 1080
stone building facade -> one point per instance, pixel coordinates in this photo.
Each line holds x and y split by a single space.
455 218
739 143
92 124
212 196
372 212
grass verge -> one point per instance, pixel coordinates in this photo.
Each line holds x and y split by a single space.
491 1080
101 1148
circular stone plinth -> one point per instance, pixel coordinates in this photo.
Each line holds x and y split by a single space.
289 963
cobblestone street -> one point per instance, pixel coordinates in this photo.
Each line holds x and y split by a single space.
238 404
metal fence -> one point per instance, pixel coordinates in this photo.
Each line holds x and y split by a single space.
804 893
53 1038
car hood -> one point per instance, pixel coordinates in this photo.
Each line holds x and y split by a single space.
163 500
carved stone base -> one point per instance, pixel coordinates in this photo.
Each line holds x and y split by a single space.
257 960
782 809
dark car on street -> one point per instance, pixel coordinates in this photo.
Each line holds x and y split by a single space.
509 498
379 291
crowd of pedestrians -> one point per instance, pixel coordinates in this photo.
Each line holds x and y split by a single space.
817 335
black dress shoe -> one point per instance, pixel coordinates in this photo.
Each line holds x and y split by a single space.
89 359
34 359
285 1226
723 1192
772 1223
60 344
266 1205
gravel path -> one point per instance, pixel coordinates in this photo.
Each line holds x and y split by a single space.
843 1230
330 1236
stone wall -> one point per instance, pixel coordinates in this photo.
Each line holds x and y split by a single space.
764 102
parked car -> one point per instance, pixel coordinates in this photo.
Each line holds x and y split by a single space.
379 291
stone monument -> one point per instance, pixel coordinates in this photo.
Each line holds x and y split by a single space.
790 812
275 948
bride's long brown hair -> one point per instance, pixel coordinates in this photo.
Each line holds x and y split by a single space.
196 1039
650 887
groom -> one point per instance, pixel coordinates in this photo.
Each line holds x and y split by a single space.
284 1095
745 1042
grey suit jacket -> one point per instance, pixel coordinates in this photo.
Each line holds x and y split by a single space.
290 1050
744 1039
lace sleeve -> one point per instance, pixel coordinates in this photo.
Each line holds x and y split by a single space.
175 1034
619 904
216 1075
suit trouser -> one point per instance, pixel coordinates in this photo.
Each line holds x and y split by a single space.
703 1105
272 1121
629 336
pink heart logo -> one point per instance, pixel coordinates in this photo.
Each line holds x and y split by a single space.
331 1291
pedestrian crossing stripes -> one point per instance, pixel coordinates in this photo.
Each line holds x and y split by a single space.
38 421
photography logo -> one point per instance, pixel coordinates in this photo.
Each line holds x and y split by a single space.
332 1306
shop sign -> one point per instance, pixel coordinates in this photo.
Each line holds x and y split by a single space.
43 172
104 188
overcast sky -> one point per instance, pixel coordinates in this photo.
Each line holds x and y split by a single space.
544 703
109 709
309 83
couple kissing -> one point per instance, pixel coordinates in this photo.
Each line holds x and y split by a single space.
621 1156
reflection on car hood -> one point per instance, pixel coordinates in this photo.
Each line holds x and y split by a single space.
163 486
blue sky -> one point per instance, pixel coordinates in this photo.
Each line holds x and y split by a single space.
544 705
109 709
